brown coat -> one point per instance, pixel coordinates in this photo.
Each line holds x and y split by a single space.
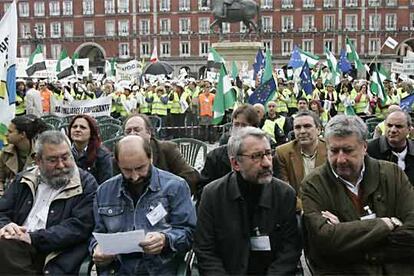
291 162
9 165
166 156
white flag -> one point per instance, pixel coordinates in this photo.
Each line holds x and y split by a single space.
391 42
154 55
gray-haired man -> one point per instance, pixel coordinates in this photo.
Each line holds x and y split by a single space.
358 211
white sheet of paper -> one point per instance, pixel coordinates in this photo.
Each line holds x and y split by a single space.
260 243
120 243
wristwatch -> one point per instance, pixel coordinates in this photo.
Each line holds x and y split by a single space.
395 222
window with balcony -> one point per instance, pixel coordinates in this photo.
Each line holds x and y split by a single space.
287 23
145 49
165 26
351 22
374 3
329 44
351 3
144 27
165 48
374 46
123 6
203 25
184 48
287 47
203 8
88 8
55 50
391 22
67 29
307 45
109 6
226 27
25 51
308 4
24 9
308 23
40 30
25 31
204 48
266 4
54 8
184 25
39 9
328 3
374 22
89 28
55 30
329 22
267 44
165 5
144 5
287 4
390 3
123 50
123 27
267 24
184 5
67 8
110 27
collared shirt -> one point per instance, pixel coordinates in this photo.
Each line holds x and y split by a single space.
37 217
353 188
308 162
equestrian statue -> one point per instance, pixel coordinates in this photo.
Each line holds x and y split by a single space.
235 11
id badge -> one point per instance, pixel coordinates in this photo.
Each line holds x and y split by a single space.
260 243
157 214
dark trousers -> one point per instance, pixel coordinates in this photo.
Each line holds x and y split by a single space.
18 257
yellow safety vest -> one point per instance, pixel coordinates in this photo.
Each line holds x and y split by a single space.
158 107
269 126
20 105
361 106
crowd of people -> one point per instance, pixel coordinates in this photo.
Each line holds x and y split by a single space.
294 176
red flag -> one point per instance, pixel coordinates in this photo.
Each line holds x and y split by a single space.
154 56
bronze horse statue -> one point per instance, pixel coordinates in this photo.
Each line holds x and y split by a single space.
232 11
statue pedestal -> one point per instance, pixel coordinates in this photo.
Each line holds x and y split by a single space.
243 53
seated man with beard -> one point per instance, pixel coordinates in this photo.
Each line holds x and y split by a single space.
143 197
46 215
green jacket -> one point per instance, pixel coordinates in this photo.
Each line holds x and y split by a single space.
354 246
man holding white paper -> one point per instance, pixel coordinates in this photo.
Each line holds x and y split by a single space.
147 198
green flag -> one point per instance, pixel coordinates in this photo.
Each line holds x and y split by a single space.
225 97
353 56
311 58
333 67
234 70
377 85
268 70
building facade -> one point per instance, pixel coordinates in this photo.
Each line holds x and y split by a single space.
129 29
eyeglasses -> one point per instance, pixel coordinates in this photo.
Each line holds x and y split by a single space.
54 160
258 156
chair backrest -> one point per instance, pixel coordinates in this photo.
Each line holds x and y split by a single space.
190 149
110 144
52 120
109 120
156 123
64 128
109 131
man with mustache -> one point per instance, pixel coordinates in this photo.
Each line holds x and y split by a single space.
300 156
143 197
358 211
246 219
46 214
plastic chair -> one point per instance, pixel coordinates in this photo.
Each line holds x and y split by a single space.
190 148
55 121
109 131
371 124
110 144
64 128
111 120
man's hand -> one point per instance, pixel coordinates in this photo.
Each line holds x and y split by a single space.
153 243
101 259
11 231
331 218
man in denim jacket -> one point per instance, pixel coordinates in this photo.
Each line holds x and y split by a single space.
125 203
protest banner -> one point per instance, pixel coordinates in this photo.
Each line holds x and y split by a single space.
96 107
128 71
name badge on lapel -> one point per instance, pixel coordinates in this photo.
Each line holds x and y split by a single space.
259 242
156 214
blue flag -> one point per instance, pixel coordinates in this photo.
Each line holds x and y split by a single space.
295 59
306 79
407 102
344 64
259 63
263 92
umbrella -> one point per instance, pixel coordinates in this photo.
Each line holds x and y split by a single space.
158 68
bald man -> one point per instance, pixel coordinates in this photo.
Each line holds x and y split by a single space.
143 197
